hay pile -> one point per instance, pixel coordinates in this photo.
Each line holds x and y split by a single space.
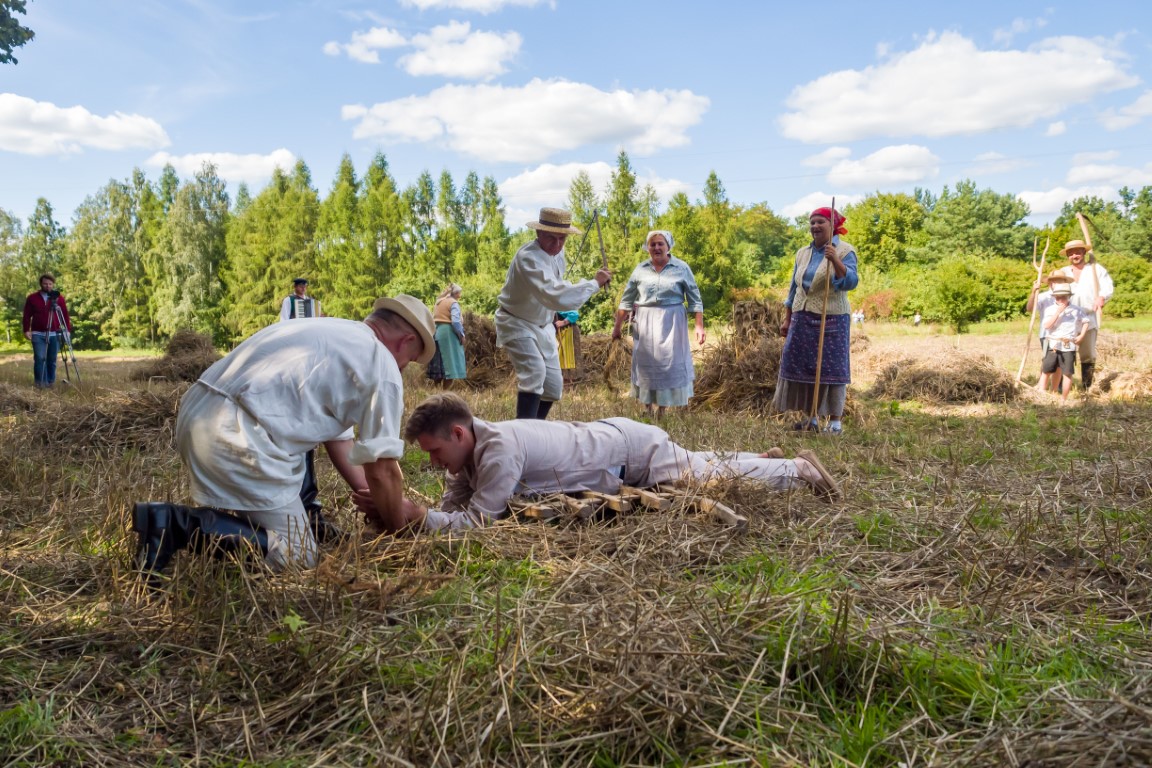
1129 385
605 359
953 380
12 400
739 373
189 354
115 420
487 365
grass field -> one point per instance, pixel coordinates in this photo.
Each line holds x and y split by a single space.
981 597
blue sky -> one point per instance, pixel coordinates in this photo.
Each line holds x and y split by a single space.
790 104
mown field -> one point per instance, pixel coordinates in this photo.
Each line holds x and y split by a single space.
980 597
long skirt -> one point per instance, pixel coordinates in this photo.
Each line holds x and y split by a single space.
662 372
798 365
451 352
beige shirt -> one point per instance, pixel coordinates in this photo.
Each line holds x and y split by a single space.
534 291
531 457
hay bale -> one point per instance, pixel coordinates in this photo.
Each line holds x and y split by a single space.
1128 385
488 366
952 380
188 355
739 372
606 359
12 400
113 420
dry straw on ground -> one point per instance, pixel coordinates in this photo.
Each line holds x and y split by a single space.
187 356
951 380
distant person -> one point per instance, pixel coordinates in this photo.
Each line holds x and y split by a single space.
828 262
655 297
916 320
45 317
1091 289
1067 326
244 427
490 462
299 305
450 332
534 290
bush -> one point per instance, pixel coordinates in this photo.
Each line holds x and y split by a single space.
1128 304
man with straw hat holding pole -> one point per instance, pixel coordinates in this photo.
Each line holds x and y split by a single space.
1091 288
534 291
244 427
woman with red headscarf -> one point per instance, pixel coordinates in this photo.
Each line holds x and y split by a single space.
826 263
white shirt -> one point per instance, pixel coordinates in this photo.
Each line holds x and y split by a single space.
1062 336
245 426
534 291
1043 301
1083 293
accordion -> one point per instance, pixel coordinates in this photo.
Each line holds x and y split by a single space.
301 308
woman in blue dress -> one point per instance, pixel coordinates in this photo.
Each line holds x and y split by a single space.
450 332
655 297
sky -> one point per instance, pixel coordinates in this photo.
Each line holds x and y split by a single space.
790 104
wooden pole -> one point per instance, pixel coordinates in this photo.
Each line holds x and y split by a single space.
823 320
1032 320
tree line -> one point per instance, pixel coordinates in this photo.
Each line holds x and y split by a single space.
145 258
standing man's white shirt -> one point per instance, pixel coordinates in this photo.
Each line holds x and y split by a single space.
1083 290
534 291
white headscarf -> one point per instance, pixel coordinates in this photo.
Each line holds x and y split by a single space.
663 233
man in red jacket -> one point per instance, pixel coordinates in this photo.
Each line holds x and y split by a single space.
42 326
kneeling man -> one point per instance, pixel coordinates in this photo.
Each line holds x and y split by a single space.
244 428
490 462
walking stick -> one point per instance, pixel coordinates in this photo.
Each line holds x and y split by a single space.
823 321
1032 320
1092 262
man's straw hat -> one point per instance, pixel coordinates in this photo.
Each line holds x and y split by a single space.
1055 277
556 220
416 315
1073 244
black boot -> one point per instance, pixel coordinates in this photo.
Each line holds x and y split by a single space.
165 529
527 405
1087 373
324 531
545 406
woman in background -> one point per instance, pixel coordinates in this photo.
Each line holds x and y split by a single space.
450 332
655 295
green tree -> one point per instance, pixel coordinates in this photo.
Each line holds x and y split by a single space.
42 249
886 228
193 246
759 226
971 222
12 33
959 295
346 261
14 285
382 220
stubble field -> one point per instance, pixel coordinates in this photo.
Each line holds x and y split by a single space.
980 597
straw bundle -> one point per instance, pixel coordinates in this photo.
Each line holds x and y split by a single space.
12 400
953 380
488 366
114 420
188 355
1129 385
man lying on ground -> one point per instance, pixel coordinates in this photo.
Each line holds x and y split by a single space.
490 462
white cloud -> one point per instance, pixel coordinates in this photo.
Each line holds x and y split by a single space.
32 127
252 169
476 6
364 45
900 164
827 158
990 163
1128 116
453 50
1050 202
1056 129
487 121
811 202
547 185
948 87
449 50
1082 158
1114 175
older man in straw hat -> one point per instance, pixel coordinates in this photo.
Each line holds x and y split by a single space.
534 291
243 430
1091 288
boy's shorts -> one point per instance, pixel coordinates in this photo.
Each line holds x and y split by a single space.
1065 361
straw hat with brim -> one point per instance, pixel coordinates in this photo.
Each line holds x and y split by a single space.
1061 289
1056 277
416 315
1072 245
556 220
